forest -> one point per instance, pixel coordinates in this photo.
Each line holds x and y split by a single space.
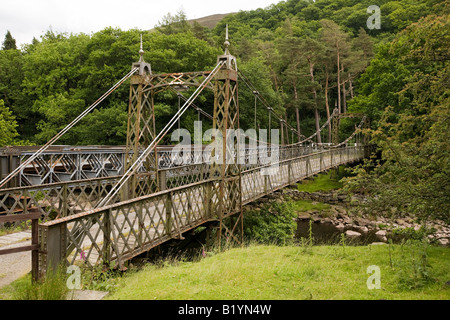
305 57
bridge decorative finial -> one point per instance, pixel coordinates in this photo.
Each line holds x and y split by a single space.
227 56
141 52
144 67
227 41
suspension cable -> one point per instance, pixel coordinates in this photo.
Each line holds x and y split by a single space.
198 109
264 102
272 111
67 128
357 130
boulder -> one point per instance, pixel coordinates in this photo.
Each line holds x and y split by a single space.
363 229
381 233
340 226
352 234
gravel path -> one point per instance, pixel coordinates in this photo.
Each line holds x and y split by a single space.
16 265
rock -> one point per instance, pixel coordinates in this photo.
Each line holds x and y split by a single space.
363 229
342 209
365 222
381 233
443 242
350 233
325 220
304 217
340 226
378 243
347 220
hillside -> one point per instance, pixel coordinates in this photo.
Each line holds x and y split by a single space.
210 21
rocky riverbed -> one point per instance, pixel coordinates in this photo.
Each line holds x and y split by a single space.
344 216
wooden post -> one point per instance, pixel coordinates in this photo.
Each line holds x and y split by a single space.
65 207
35 252
208 195
107 237
169 222
162 181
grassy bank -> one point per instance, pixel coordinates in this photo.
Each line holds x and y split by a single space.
294 273
323 182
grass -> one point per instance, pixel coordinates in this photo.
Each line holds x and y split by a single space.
322 182
306 205
285 273
53 288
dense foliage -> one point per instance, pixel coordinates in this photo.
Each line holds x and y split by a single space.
406 93
272 224
49 83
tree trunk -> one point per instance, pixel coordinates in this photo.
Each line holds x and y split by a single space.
351 85
327 104
316 110
344 94
286 127
339 77
297 112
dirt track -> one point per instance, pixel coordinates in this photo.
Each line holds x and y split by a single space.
16 265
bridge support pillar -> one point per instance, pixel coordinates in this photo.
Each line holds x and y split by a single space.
225 167
141 132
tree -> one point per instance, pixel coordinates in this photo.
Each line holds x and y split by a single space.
412 124
9 43
8 126
339 43
312 50
171 24
290 48
257 72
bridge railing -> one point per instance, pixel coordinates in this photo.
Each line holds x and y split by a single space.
56 200
262 180
121 231
124 230
64 199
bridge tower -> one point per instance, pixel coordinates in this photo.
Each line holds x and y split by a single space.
225 165
224 169
141 131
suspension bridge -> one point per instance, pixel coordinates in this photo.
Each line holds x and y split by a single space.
103 205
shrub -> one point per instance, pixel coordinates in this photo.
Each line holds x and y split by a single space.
273 224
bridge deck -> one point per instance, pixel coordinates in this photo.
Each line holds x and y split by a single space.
124 230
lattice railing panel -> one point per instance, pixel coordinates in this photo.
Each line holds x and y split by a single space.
86 240
55 200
